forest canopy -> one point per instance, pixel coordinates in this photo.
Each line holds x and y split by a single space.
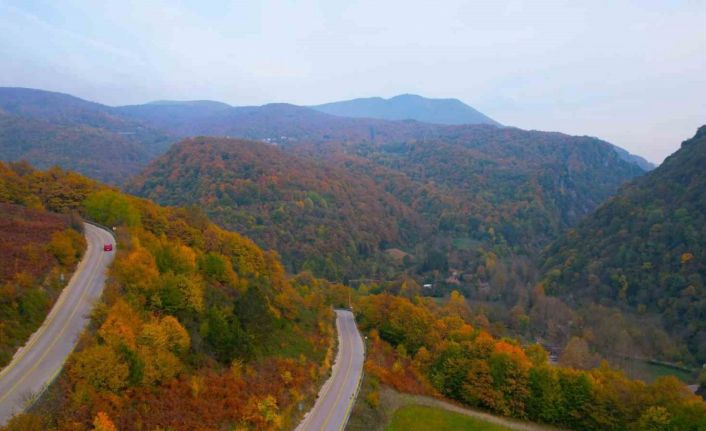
643 251
198 327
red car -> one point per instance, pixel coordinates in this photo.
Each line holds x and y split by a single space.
107 247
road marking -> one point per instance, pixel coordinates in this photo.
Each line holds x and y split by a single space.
327 384
58 336
353 397
340 389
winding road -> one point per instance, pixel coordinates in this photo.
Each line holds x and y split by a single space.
337 395
36 364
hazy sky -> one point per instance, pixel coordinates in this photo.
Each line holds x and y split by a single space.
633 73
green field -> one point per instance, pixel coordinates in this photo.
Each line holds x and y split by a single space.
648 371
421 418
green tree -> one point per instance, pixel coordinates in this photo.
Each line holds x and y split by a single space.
111 208
655 418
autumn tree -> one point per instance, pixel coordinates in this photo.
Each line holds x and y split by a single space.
103 423
101 367
577 354
67 246
26 422
111 208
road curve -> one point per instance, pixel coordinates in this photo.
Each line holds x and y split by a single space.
36 364
337 395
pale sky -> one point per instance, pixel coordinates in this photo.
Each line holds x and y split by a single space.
630 72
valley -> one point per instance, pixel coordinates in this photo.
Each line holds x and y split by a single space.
220 215
469 226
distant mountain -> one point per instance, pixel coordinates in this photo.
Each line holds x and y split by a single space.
408 107
645 249
174 116
202 104
284 123
112 143
252 122
47 128
61 109
94 152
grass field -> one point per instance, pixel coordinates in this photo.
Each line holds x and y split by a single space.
422 418
398 411
647 371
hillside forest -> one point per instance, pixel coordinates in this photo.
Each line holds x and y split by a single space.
201 329
531 274
449 215
643 251
198 328
39 250
424 347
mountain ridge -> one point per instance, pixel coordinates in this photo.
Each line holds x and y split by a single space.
501 188
447 111
66 128
642 250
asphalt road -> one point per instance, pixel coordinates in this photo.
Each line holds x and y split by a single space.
337 395
40 360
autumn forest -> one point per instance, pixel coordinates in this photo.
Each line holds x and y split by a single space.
532 275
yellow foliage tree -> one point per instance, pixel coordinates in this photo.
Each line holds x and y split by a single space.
167 334
138 269
103 423
269 412
187 257
160 365
176 335
101 367
686 258
120 325
65 246
193 292
457 306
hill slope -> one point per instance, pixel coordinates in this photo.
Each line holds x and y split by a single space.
112 143
503 187
59 108
408 107
174 116
48 129
293 126
639 161
644 250
196 322
318 216
275 121
331 206
526 185
38 251
98 153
